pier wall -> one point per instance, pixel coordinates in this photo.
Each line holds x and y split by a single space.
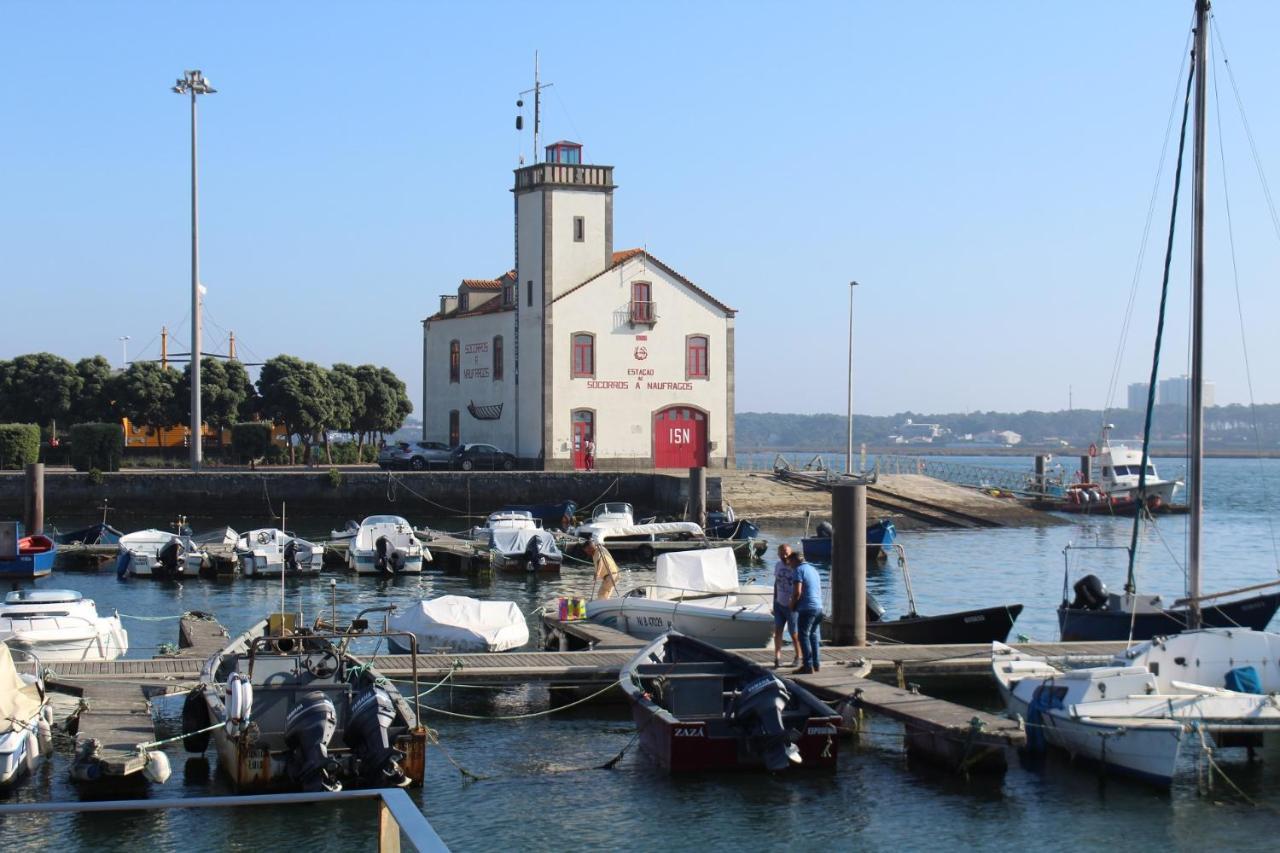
356 492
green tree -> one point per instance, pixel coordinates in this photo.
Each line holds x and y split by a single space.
296 393
147 394
224 385
38 388
346 399
99 387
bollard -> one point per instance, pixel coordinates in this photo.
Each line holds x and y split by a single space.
849 565
698 495
33 516
1042 465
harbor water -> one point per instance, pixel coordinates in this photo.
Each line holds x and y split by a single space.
535 783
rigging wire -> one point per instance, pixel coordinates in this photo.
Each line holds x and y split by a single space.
1146 233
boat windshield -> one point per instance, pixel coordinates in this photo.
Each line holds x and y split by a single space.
384 519
613 509
43 596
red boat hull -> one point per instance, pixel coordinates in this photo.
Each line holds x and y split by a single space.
688 747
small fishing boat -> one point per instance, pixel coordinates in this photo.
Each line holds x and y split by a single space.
726 525
297 710
880 538
1119 472
156 554
346 534
524 550
386 545
24 557
698 594
456 623
100 533
26 732
59 625
269 552
699 708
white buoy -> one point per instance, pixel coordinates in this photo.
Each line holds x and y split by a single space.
157 768
33 750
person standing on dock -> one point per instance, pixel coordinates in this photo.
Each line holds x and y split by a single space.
590 454
784 582
606 569
807 604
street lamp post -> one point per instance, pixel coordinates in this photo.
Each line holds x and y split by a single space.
124 351
848 456
194 83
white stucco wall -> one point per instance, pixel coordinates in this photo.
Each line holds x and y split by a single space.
627 388
574 262
476 382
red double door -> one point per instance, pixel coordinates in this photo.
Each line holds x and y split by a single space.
584 431
679 438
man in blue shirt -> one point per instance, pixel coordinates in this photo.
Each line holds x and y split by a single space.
807 604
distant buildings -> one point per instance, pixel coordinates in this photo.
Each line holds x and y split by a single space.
1169 392
998 438
914 433
1138 392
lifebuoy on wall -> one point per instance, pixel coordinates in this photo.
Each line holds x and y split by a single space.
1093 450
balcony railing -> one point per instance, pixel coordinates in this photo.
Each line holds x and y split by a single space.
643 312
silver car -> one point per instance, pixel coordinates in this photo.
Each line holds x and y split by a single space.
421 455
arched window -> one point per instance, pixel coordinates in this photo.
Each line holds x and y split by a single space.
584 355
695 362
455 361
497 357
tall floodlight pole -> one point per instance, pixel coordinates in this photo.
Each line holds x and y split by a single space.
848 456
194 83
124 351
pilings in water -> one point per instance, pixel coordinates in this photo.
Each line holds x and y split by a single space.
1086 468
33 503
698 495
849 564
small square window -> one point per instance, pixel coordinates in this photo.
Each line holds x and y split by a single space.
579 229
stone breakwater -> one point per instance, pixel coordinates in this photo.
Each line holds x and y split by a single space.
349 493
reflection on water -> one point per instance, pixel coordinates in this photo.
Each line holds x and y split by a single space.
539 789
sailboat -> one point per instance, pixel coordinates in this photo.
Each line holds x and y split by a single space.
1220 684
1097 614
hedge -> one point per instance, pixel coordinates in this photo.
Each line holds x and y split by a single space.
96 446
250 440
19 445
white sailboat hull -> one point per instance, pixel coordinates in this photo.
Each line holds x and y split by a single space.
728 625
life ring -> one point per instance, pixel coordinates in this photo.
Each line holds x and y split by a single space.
239 703
1093 450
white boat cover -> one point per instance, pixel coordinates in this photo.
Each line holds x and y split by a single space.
669 528
18 699
709 570
463 624
512 541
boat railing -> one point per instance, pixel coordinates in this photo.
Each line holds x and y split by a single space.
400 819
684 593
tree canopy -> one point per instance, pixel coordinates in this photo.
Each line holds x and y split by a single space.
297 394
39 388
224 387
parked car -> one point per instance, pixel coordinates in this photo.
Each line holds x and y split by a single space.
387 455
485 456
421 455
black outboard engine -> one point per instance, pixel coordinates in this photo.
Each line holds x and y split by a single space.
397 559
1091 594
759 710
382 555
291 556
307 731
534 558
368 735
824 530
170 561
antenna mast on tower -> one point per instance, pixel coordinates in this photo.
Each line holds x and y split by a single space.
538 86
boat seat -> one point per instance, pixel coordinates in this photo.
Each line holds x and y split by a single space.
692 695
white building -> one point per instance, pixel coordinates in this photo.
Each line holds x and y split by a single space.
580 343
1177 392
998 437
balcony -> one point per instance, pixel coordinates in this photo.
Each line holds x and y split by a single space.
642 313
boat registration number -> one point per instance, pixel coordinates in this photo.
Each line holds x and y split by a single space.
651 622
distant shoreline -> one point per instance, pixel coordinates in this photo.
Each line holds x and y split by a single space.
924 450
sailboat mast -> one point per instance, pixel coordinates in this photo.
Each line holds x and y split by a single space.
1196 396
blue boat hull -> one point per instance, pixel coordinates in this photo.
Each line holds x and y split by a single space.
94 534
880 539
28 565
1096 625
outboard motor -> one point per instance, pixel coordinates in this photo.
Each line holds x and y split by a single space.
397 559
368 735
534 558
382 554
1091 594
170 561
875 610
291 556
824 530
307 731
759 710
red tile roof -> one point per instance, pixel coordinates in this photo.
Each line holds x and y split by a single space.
508 277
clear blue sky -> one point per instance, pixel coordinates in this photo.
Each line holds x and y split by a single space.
983 168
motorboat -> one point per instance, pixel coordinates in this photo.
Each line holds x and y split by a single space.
169 555
59 625
1133 715
697 593
553 516
269 552
386 545
1119 468
24 557
880 538
26 732
606 515
297 710
524 549
505 519
699 708
456 623
346 534
725 524
100 533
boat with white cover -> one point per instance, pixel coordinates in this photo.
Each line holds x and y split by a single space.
698 594
1133 715
606 515
26 732
60 625
386 545
524 549
457 623
268 552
